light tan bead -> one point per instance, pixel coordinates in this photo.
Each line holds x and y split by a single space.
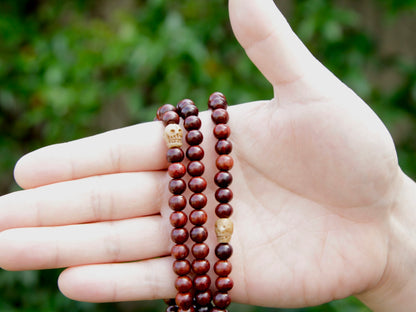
173 135
224 228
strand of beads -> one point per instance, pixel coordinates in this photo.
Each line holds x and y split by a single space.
198 217
223 226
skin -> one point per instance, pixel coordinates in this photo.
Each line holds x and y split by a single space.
322 209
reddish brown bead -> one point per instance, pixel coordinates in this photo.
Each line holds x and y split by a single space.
200 251
194 137
181 267
220 116
223 147
179 235
223 251
177 186
174 155
178 219
224 210
195 153
198 217
180 252
222 131
222 300
199 234
170 117
183 103
192 123
224 284
196 168
184 300
183 284
224 162
177 170
223 195
202 282
200 267
223 268
216 102
204 299
197 184
215 95
163 109
198 201
223 179
177 202
189 110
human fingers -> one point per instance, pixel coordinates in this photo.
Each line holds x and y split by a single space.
92 199
71 245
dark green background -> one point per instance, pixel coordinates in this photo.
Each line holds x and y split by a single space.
74 68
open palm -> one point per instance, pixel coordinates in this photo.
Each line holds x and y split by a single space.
315 174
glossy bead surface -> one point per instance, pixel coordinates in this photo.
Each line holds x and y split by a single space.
176 170
202 282
200 251
177 186
181 267
200 267
194 137
224 210
224 162
222 268
199 234
198 217
221 300
198 201
189 110
203 298
192 123
180 252
170 117
223 251
224 284
183 284
220 116
163 109
216 102
184 300
196 168
178 219
223 195
174 155
177 202
197 184
222 131
195 153
183 103
223 147
179 235
223 179
173 308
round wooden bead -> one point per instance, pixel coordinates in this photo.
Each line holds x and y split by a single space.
178 219
223 251
180 252
222 131
192 123
177 186
197 184
176 170
174 155
196 168
200 267
224 210
224 284
216 102
183 284
202 282
199 234
223 195
224 162
194 137
223 147
181 267
204 299
184 102
179 235
177 202
222 268
200 251
195 153
189 110
184 300
221 300
198 217
170 117
163 109
223 179
198 201
220 116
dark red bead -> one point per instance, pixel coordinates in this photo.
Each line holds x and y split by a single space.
223 268
183 284
196 168
184 300
198 217
197 184
179 235
177 186
224 162
177 202
192 123
181 267
170 117
224 210
195 152
200 251
222 300
180 252
172 308
216 102
194 137
163 109
223 195
220 116
198 201
204 299
202 282
222 131
175 155
183 103
178 219
223 251
200 267
189 110
177 170
224 284
199 234
223 147
223 179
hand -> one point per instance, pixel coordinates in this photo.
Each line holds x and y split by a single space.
315 177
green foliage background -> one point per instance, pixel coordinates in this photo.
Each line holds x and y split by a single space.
71 69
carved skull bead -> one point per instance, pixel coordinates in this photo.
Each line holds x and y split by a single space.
224 228
173 135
